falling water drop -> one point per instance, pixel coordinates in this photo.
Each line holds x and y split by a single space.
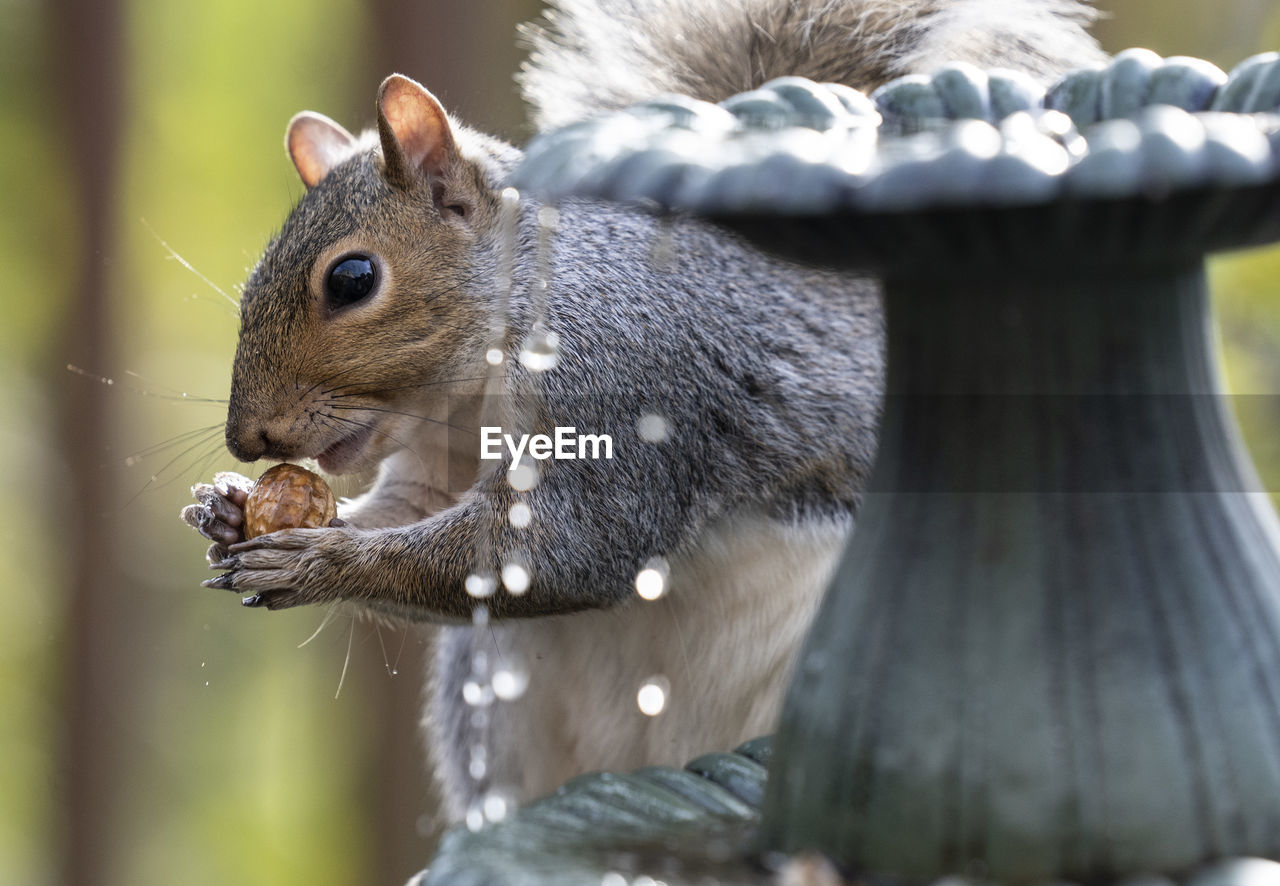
541 348
515 578
653 428
477 694
652 697
475 816
493 356
540 351
520 515
479 764
651 583
613 878
497 805
523 475
480 586
510 681
662 253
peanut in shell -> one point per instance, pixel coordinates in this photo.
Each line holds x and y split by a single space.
288 497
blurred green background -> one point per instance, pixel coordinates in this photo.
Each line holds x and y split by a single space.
151 731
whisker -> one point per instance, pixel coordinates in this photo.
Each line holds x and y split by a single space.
155 478
172 393
342 678
141 392
147 451
383 409
336 421
330 612
173 254
333 419
464 282
407 387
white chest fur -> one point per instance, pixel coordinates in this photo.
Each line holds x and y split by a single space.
723 638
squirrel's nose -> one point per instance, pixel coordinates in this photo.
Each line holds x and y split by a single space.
247 444
249 439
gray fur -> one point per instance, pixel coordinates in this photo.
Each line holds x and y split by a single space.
589 56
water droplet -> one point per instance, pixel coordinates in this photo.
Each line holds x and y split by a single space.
523 475
202 664
480 585
515 578
651 581
206 682
480 616
653 428
520 515
652 697
475 816
613 878
662 252
510 681
540 350
493 356
476 694
477 769
395 672
497 805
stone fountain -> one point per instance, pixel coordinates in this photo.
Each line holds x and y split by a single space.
1052 649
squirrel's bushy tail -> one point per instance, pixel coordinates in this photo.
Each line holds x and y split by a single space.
589 56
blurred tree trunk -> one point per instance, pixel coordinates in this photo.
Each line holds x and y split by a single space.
87 85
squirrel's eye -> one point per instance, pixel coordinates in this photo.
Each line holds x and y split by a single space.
349 281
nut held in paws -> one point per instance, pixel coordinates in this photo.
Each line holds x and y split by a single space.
288 497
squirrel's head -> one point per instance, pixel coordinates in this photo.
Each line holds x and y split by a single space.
371 307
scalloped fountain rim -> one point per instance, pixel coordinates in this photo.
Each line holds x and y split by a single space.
1142 127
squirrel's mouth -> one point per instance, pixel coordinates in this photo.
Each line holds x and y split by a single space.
343 454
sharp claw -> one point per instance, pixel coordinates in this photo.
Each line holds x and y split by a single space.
221 583
254 601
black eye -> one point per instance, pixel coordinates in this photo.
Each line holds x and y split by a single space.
349 281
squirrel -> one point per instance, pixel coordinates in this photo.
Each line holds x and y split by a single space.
363 340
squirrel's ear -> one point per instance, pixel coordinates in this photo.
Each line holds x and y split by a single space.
415 131
316 144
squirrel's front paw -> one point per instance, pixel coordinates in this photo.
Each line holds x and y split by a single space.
219 513
287 568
